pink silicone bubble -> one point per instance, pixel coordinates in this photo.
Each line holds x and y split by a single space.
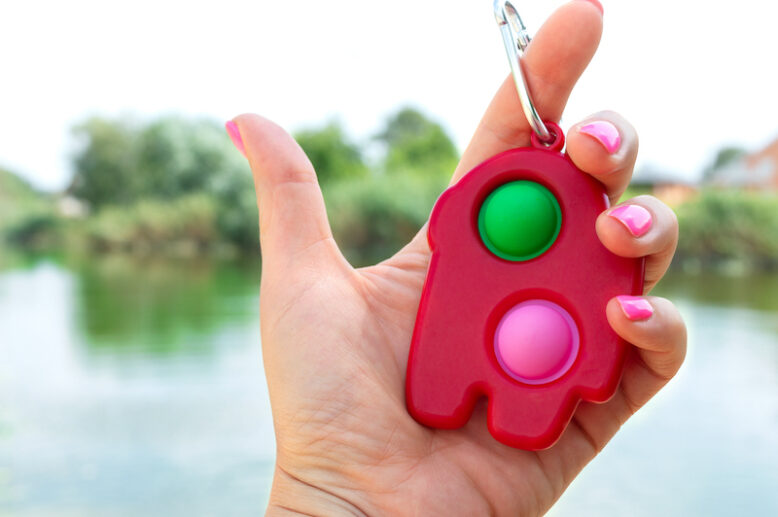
536 342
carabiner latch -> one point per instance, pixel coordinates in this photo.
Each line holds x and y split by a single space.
516 39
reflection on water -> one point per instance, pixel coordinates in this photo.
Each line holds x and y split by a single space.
132 389
759 292
136 389
160 308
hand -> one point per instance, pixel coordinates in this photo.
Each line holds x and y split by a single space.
335 339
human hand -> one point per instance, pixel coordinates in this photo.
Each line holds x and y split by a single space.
335 339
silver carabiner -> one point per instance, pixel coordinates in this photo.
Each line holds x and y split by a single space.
516 39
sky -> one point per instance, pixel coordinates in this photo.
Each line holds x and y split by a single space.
692 76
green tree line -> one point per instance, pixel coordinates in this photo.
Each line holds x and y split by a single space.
730 230
176 185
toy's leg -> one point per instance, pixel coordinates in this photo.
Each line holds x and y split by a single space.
447 365
439 393
520 418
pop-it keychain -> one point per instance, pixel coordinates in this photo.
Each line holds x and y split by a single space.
513 308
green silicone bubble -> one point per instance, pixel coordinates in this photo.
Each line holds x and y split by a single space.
520 220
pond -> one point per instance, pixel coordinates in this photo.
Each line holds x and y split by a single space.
136 388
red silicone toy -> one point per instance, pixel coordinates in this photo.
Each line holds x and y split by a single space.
527 332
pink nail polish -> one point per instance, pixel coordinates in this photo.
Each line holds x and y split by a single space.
597 4
234 132
605 133
635 308
637 219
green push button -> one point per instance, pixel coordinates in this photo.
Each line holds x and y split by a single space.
520 220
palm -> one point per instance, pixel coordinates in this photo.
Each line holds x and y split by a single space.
365 426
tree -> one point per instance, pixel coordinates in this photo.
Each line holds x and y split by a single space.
417 144
119 161
27 217
125 163
104 162
332 154
725 156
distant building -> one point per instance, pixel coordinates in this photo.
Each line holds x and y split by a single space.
756 171
667 187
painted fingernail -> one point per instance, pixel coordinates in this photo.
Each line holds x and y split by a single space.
635 308
637 219
234 132
597 4
605 133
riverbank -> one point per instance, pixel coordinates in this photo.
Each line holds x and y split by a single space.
730 232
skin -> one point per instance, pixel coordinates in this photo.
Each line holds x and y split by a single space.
335 339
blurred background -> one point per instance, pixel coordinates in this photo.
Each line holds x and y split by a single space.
130 371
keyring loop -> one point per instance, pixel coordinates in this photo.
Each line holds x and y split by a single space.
516 39
557 141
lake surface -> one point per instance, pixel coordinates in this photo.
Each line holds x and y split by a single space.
133 389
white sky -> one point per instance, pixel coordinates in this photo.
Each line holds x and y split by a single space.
691 75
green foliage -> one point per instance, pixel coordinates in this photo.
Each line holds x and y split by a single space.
27 218
174 184
633 191
332 154
373 216
416 144
105 170
725 156
36 229
129 172
185 225
120 162
372 219
178 186
729 229
14 189
412 144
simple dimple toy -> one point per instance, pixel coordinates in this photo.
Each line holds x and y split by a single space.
513 308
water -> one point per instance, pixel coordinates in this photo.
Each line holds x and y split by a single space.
132 389
708 443
136 389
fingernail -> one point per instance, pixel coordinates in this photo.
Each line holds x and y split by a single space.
597 4
605 133
234 132
637 219
635 308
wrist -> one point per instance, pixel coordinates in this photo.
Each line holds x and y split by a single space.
291 495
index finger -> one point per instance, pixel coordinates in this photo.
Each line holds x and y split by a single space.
554 61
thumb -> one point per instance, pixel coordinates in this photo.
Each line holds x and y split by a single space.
293 227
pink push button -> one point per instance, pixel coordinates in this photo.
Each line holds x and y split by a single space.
536 342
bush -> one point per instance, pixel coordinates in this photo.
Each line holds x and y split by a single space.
185 225
373 218
416 144
35 229
27 217
169 184
332 153
729 229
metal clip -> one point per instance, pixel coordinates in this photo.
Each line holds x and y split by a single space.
516 39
